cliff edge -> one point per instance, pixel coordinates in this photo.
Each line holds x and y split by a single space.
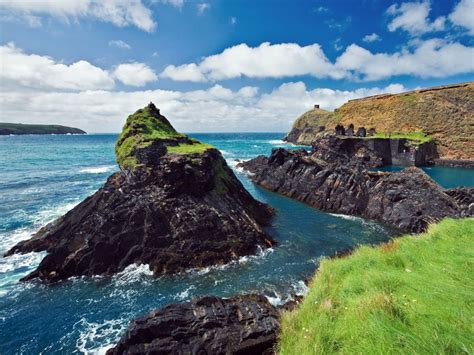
445 113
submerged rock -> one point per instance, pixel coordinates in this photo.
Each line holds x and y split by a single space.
246 324
174 205
407 200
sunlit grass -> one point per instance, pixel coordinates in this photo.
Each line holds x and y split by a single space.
412 295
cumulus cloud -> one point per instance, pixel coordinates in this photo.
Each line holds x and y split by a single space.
433 58
134 74
413 18
266 60
119 44
34 71
430 58
463 15
211 110
118 12
371 38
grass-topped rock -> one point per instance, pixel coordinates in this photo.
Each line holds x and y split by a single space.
148 135
174 205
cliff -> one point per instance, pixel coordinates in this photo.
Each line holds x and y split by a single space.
19 129
445 113
175 205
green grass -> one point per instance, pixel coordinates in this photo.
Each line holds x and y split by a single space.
408 98
189 148
19 128
418 137
414 295
140 130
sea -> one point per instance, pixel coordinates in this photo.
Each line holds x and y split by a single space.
42 177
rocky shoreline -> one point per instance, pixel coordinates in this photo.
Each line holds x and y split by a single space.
172 211
337 180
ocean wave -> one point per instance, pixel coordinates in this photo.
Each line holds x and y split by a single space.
98 169
347 217
96 338
132 274
279 142
298 288
258 256
184 295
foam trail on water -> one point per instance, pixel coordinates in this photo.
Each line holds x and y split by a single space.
98 169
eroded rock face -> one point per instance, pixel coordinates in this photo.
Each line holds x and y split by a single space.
177 212
407 200
246 324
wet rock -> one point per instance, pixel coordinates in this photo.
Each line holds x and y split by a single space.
171 211
246 324
407 200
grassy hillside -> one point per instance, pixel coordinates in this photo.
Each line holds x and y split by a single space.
146 126
412 295
445 113
19 128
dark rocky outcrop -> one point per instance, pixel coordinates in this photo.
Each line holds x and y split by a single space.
348 151
407 200
246 324
173 212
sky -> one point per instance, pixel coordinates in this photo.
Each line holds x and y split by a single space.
223 65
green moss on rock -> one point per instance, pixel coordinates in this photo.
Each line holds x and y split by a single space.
147 126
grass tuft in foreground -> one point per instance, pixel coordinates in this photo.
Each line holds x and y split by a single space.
412 295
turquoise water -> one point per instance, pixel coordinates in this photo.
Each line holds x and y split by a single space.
445 176
42 177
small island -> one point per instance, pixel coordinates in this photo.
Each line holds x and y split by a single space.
20 128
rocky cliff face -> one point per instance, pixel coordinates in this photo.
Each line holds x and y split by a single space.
407 200
172 210
445 113
209 325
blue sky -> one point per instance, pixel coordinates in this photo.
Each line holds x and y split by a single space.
221 65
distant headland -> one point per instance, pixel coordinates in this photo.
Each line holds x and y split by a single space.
19 128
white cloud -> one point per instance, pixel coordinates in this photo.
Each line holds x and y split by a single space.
266 60
430 58
371 38
203 7
463 15
185 72
34 71
212 110
119 44
134 74
413 18
118 12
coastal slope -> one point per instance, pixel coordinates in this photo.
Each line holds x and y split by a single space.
445 113
175 205
21 129
412 295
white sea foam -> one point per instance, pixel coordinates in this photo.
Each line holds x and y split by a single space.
298 288
98 169
184 294
347 217
261 254
132 273
18 261
280 142
95 338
